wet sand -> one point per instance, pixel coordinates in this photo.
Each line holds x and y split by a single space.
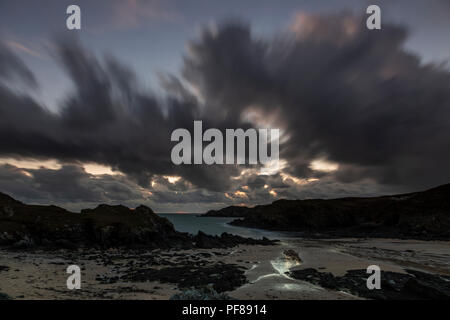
42 275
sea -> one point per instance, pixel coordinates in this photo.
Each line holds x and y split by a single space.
192 223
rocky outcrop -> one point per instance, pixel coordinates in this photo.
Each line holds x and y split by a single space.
226 240
232 211
24 225
221 277
206 293
412 285
421 215
292 256
4 296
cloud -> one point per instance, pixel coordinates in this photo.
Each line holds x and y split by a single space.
129 14
341 94
344 94
22 48
69 184
12 67
107 120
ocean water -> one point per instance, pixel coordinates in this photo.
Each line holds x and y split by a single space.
191 223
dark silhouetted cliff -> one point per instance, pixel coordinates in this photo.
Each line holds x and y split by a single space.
23 225
424 215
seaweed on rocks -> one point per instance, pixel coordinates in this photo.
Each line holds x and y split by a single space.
413 285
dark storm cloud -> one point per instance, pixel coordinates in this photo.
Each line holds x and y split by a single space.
73 188
337 90
12 68
341 91
70 183
107 120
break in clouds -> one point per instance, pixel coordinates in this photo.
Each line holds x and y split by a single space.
358 115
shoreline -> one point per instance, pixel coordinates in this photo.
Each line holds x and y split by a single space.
130 274
332 234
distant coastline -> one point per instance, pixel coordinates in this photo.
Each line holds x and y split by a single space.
420 215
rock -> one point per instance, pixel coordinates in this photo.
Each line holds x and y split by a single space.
104 226
420 215
221 277
323 279
232 211
226 240
4 268
206 293
4 296
413 285
24 242
428 285
292 255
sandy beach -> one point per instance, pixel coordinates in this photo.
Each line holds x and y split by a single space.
42 274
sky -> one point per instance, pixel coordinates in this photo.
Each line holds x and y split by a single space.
86 115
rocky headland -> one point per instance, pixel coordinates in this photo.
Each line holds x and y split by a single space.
420 215
106 226
231 211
